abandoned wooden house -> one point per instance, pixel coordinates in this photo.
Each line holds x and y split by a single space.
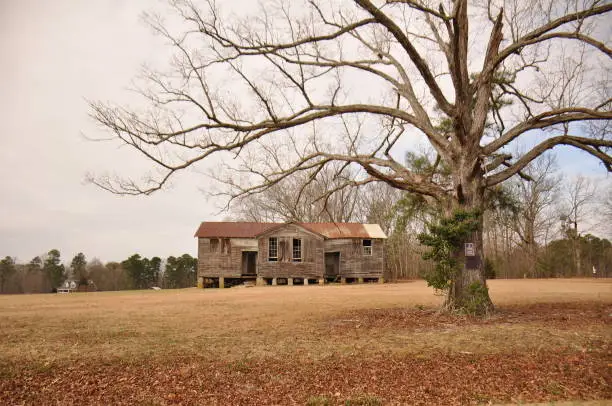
277 253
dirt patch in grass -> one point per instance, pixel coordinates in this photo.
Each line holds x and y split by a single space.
578 326
443 380
570 315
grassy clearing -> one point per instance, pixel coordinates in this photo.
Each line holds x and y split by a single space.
247 331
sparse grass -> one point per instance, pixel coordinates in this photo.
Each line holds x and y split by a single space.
364 400
234 324
239 366
243 329
319 401
555 388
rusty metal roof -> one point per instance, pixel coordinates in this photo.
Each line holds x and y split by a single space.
303 226
250 230
232 229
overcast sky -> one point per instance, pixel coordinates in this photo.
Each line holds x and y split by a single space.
54 56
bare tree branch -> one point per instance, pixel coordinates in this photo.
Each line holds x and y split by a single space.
592 146
538 35
414 55
544 120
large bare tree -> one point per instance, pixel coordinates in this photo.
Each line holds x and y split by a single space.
298 85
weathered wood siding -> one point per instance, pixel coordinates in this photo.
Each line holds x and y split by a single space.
312 265
226 259
353 264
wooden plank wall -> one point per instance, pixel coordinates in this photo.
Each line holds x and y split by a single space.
312 265
226 261
353 264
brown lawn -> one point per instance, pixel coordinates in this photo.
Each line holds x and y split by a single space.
361 344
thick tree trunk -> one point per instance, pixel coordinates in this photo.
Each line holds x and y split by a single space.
468 290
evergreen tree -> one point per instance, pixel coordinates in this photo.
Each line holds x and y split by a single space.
35 265
152 271
135 268
7 269
78 267
54 269
180 271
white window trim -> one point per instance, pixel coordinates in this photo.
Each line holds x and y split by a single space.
293 257
367 249
271 258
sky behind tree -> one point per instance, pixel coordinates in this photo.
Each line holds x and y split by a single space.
56 56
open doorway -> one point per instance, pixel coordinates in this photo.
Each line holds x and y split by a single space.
249 263
332 265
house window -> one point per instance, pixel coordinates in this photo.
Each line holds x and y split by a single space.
367 247
214 244
226 247
297 250
273 249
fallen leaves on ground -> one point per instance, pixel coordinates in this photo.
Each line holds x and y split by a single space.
444 378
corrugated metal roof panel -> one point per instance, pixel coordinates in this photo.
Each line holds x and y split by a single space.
375 231
346 230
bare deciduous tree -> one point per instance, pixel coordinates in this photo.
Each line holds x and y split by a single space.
579 196
604 196
323 198
301 85
536 198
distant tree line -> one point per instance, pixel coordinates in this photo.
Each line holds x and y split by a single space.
534 228
47 273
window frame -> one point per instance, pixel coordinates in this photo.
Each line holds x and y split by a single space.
275 257
367 249
226 246
214 245
293 250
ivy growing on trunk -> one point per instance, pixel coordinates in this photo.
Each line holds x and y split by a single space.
444 238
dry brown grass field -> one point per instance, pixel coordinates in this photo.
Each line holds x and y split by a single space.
548 341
